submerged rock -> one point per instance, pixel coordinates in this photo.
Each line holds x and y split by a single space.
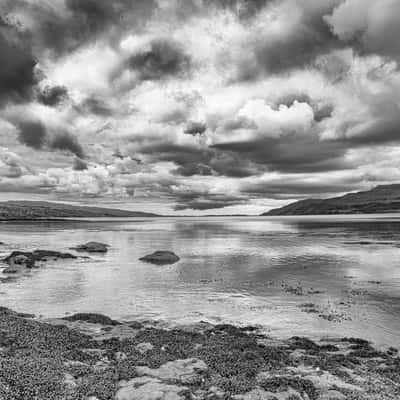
18 260
92 247
161 257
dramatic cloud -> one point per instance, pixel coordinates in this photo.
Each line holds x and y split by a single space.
80 165
52 96
197 105
159 59
17 67
293 36
32 134
195 128
67 142
63 26
374 25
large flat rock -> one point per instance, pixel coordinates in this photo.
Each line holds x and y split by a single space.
147 388
187 371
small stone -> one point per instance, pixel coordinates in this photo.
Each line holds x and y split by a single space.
215 393
332 395
143 348
120 356
258 394
74 363
69 382
101 365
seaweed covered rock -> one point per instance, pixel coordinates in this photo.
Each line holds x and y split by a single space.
19 260
92 318
92 247
161 257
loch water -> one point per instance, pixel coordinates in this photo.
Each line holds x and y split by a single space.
310 276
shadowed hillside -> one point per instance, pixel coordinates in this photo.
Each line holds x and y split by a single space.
381 199
43 209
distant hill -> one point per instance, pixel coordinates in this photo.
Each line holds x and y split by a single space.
16 210
381 199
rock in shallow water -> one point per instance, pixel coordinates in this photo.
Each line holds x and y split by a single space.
161 257
92 247
18 260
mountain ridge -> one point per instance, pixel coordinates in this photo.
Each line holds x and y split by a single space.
26 210
380 199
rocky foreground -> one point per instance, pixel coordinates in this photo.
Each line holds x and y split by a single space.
90 356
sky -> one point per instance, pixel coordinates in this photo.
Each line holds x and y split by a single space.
197 106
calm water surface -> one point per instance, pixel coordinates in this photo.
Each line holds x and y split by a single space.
243 270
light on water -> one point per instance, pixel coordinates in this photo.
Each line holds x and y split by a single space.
294 276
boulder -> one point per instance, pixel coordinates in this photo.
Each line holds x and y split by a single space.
146 388
26 259
92 247
187 371
161 257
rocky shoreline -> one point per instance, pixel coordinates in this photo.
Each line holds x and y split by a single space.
91 356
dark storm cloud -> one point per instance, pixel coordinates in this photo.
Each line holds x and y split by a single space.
202 161
64 29
243 8
32 134
67 142
194 169
291 154
96 106
192 200
52 95
323 112
35 134
17 66
289 188
374 26
79 164
195 128
376 132
295 47
164 58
